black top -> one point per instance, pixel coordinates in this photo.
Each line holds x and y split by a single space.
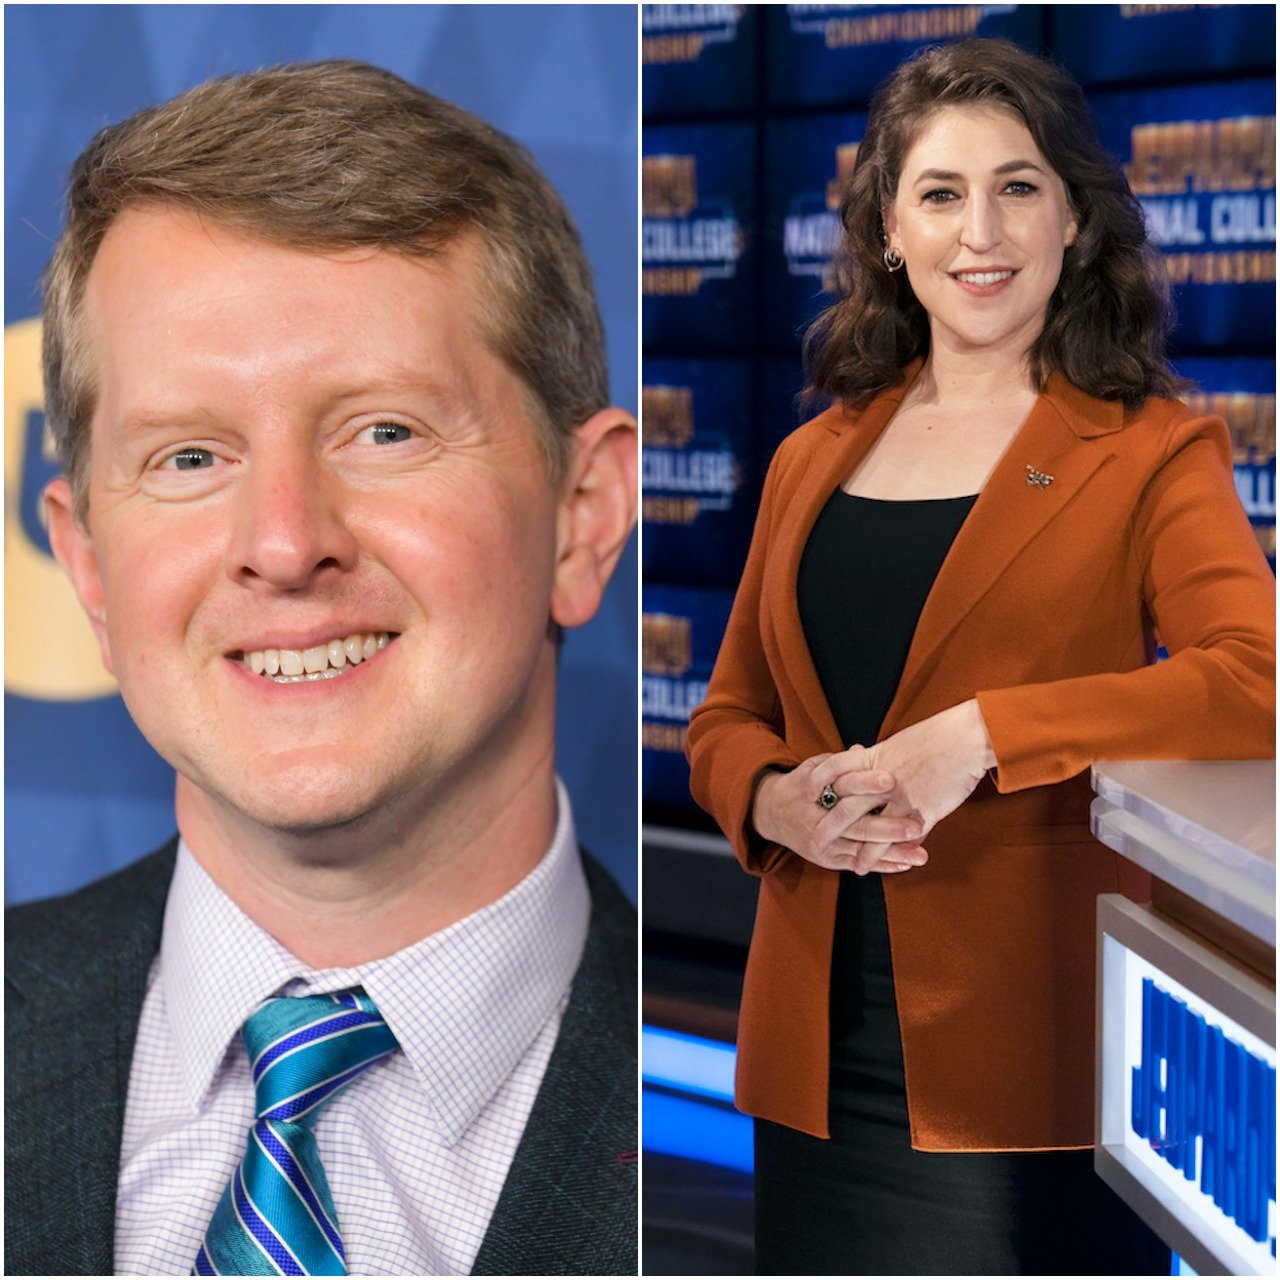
866 572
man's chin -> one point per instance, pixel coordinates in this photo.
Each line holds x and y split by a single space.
310 823
308 814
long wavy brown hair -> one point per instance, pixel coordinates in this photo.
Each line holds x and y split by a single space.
1107 320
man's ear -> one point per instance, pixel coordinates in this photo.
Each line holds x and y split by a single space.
74 551
597 512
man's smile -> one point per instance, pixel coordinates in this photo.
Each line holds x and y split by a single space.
323 661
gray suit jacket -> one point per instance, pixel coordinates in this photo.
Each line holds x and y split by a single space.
75 976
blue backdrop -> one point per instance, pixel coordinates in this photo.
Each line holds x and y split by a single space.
84 793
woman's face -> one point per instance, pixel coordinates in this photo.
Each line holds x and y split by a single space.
982 221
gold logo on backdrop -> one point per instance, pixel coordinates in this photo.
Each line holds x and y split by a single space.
679 47
667 416
1177 157
667 644
668 186
1251 418
846 159
50 650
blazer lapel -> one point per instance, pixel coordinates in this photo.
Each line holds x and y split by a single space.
1009 513
827 470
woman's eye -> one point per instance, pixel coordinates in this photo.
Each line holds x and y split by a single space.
386 433
190 460
940 196
1021 189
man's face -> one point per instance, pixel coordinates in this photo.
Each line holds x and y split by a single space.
290 451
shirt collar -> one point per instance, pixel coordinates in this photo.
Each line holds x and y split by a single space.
464 1003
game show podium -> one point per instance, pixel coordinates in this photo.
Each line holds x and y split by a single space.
1186 1079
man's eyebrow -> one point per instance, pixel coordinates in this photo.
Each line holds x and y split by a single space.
945 175
147 420
143 421
417 382
420 386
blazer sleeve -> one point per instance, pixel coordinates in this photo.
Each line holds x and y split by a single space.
1211 596
737 733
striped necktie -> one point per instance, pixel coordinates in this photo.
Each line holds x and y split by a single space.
277 1217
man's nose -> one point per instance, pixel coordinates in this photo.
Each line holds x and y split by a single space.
290 524
980 228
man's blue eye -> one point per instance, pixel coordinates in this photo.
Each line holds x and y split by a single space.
390 433
192 460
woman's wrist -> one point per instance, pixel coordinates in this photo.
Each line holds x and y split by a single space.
759 802
984 752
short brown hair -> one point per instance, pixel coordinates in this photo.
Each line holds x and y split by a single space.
332 155
1107 320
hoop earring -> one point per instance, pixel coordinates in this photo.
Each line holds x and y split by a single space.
893 260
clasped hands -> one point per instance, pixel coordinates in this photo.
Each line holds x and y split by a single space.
889 796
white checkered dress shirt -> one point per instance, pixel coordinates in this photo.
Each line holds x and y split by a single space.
416 1151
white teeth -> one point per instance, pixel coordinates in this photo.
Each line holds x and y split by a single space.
983 277
321 662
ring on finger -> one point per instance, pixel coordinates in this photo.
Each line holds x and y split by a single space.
828 799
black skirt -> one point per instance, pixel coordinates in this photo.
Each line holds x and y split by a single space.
865 1203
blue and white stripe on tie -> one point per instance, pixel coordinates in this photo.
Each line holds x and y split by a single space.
277 1217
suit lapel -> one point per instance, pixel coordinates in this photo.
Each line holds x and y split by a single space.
1009 513
70 1047
568 1206
77 1105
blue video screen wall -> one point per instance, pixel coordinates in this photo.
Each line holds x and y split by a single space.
699 246
806 164
701 469
699 57
753 116
1174 43
680 637
821 54
1201 160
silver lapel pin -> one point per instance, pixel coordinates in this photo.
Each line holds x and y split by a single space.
1040 479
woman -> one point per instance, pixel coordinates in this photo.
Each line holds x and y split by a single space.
966 562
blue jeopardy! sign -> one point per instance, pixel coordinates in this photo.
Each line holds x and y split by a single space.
1207 1106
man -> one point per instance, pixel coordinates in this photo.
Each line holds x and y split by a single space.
325 372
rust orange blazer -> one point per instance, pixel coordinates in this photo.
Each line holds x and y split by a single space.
1047 608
